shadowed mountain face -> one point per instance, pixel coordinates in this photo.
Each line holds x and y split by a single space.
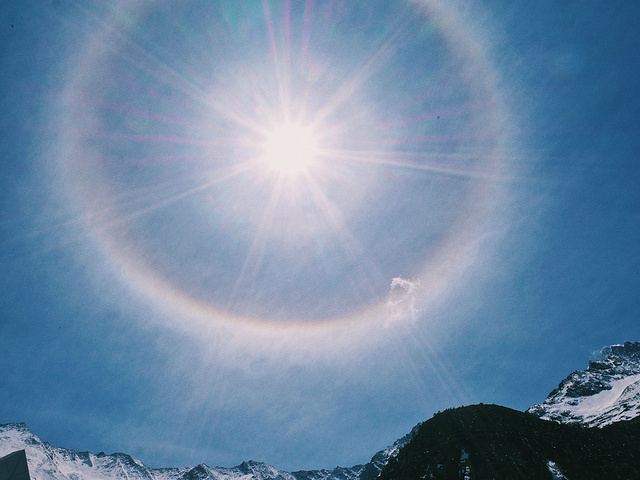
493 442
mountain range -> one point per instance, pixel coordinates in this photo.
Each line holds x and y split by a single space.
587 428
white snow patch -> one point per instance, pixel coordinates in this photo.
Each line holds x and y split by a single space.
464 464
600 402
602 405
555 471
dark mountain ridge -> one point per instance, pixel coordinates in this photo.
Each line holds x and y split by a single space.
495 442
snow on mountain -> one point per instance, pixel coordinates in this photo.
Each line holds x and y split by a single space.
54 463
607 391
555 470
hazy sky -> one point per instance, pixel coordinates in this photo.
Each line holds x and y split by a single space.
460 223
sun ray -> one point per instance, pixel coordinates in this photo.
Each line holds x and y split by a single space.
253 259
415 161
364 73
164 73
128 203
104 217
232 172
306 28
421 355
340 229
135 112
281 69
161 71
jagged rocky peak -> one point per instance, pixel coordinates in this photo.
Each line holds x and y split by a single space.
621 358
198 472
18 427
262 471
607 391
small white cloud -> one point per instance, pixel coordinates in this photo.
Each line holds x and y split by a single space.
401 301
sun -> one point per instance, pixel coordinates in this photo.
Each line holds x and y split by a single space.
290 149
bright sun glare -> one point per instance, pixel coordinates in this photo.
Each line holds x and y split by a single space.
290 149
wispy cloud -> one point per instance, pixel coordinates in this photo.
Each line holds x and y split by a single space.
401 300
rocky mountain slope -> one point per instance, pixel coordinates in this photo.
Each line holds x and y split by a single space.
607 391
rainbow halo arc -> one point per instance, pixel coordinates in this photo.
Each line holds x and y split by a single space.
286 182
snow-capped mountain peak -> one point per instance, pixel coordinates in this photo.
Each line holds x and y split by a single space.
53 463
607 391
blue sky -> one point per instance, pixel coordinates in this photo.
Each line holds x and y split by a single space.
465 229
